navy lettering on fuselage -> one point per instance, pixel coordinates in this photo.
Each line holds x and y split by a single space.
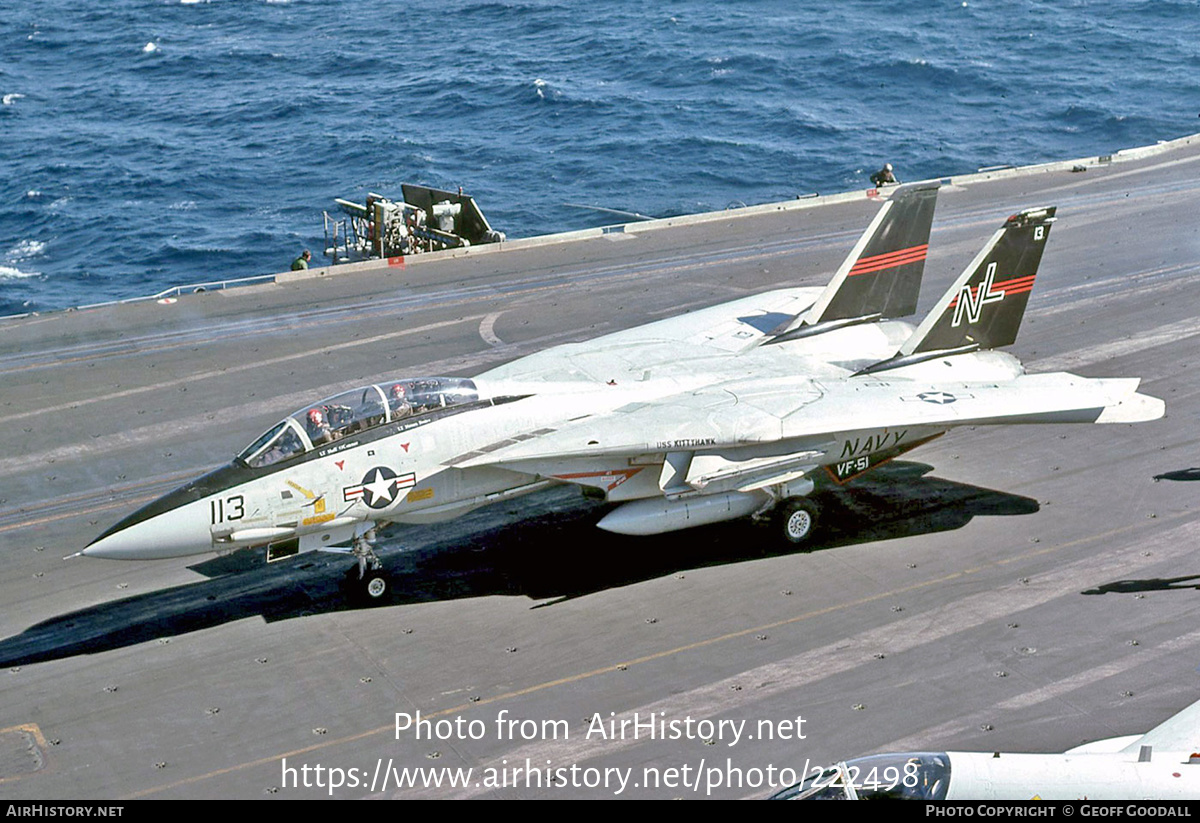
872 443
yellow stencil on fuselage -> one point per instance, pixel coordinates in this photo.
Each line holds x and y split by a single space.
318 502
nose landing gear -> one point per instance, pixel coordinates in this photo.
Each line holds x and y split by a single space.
372 582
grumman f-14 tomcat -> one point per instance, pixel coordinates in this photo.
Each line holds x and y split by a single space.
745 408
1161 764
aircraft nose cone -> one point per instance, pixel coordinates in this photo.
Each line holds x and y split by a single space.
144 535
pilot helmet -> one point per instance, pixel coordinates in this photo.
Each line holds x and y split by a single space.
887 166
398 391
315 417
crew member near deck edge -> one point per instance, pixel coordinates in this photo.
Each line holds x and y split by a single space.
884 177
301 262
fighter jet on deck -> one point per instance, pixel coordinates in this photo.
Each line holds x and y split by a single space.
746 408
1161 764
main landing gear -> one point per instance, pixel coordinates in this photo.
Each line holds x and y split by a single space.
797 520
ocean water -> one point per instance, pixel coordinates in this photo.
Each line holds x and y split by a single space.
152 143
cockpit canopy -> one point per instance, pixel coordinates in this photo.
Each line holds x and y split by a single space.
354 411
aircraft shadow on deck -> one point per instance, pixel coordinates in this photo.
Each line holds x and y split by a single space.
1156 584
545 547
1149 584
1179 475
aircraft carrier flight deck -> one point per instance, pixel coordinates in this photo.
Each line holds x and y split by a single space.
1017 588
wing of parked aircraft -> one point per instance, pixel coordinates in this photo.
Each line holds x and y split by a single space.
758 413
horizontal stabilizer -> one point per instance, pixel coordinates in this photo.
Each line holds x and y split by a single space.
1137 408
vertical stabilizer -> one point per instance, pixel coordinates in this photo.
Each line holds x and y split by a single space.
984 307
881 277
882 273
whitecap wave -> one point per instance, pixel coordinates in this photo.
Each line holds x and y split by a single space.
12 273
11 98
149 48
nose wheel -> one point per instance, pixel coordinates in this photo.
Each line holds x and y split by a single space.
374 586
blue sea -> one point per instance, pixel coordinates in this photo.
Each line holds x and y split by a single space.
152 143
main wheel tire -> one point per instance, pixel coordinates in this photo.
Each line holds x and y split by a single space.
798 520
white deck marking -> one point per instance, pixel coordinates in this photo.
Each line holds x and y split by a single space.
487 329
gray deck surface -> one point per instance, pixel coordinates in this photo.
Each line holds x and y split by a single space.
1019 588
